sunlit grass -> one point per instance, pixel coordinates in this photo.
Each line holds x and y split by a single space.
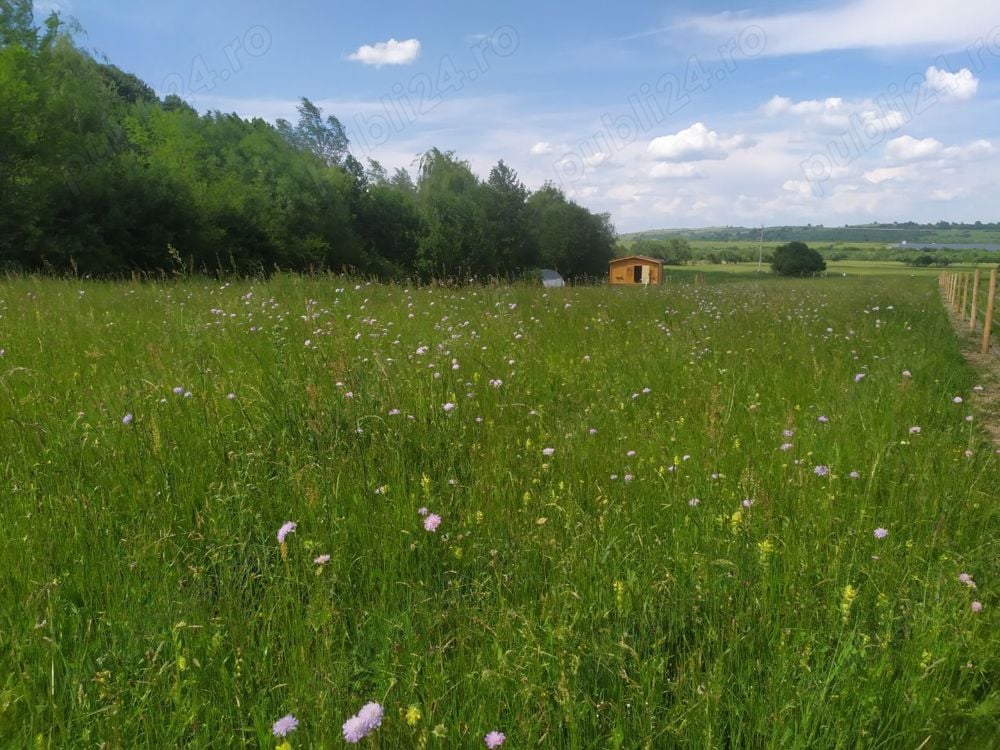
708 590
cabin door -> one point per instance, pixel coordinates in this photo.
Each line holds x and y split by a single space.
637 274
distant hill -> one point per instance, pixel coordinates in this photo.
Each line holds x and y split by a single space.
941 233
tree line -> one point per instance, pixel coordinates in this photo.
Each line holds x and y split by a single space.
100 176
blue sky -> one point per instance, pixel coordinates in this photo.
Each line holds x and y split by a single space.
663 114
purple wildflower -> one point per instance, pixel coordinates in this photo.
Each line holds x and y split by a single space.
786 446
915 430
495 739
286 529
432 522
231 396
854 475
967 580
285 726
423 511
448 407
821 471
321 560
977 606
788 433
859 377
548 451
822 418
881 533
747 502
957 400
127 419
354 730
371 714
693 502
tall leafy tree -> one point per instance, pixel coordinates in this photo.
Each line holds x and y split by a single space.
327 138
17 24
511 246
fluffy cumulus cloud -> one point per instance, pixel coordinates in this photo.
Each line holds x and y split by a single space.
836 114
696 143
387 53
907 148
542 148
956 87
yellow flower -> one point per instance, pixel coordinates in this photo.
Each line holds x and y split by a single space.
619 588
413 715
847 598
736 519
764 549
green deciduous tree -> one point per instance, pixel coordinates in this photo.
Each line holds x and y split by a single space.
797 259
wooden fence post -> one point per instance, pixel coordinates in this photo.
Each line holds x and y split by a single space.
990 303
975 302
965 294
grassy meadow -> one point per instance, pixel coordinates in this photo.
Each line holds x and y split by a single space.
714 514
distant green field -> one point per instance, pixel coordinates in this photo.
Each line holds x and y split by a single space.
727 512
851 268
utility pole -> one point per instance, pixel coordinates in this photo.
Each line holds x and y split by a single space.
760 255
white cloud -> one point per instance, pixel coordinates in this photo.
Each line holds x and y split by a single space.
781 105
674 171
978 149
835 114
884 174
387 53
627 193
906 148
696 143
798 187
860 24
956 87
949 194
596 160
542 148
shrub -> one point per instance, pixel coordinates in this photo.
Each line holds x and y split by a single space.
797 259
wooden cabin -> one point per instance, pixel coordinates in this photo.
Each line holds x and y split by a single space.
636 270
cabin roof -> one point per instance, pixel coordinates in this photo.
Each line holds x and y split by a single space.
646 258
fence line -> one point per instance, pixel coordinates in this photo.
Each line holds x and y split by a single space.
990 304
961 293
975 302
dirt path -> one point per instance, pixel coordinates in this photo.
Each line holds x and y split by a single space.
987 366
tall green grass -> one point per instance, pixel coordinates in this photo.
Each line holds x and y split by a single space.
582 599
